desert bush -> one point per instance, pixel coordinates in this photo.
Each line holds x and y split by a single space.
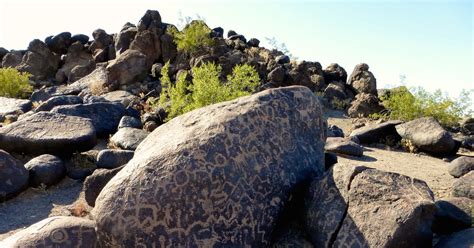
205 88
14 83
404 104
193 37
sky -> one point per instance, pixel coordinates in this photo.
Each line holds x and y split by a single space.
429 42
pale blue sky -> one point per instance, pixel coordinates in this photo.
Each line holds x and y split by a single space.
431 42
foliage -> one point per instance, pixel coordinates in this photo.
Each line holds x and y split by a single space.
405 105
193 37
14 83
205 88
280 47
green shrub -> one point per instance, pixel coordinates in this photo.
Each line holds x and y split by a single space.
195 36
205 88
407 105
14 83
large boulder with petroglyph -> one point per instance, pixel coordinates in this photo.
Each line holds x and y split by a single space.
217 176
355 206
58 231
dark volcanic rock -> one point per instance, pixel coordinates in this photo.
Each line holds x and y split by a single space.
39 61
363 207
212 172
128 121
462 239
45 169
10 106
335 73
59 43
12 59
128 138
428 136
58 231
78 62
342 146
96 182
51 133
364 105
460 166
452 215
13 176
104 115
362 80
378 133
127 68
112 158
58 101
464 186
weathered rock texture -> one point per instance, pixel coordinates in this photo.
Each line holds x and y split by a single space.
216 182
13 176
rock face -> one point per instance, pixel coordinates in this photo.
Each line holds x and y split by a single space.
10 106
46 132
452 215
461 166
128 138
127 67
215 182
377 133
428 136
104 115
360 207
464 186
362 80
13 176
58 231
45 169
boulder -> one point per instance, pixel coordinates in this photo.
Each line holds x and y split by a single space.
10 106
335 131
253 42
124 38
112 158
226 184
3 52
39 61
80 165
102 45
309 74
96 182
334 73
13 176
129 121
282 59
361 207
51 133
364 105
335 91
362 80
437 141
58 101
169 50
128 138
45 169
342 146
82 38
148 43
277 75
12 59
464 186
128 67
59 43
124 97
58 231
452 215
378 133
467 126
468 143
104 115
461 166
78 62
150 21
461 239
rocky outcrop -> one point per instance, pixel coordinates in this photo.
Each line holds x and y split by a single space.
102 47
127 68
39 61
59 43
12 59
78 62
334 73
13 176
358 206
218 175
58 231
437 141
46 132
45 169
364 105
362 80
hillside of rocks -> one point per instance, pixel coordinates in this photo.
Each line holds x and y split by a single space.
85 161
